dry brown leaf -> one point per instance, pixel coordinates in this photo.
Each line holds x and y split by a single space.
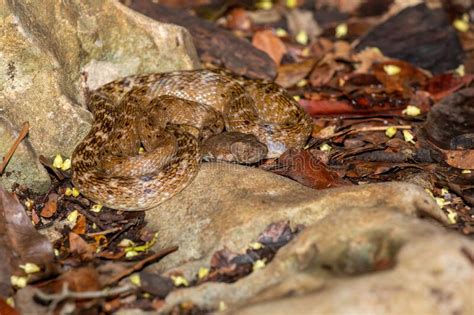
323 73
404 81
463 159
81 225
303 167
80 247
238 19
367 58
275 233
302 21
6 309
19 241
446 84
267 41
81 279
51 206
290 74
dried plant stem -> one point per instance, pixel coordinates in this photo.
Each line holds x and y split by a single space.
24 131
368 128
66 294
141 264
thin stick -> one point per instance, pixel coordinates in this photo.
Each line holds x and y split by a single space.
365 129
24 131
66 294
112 230
141 264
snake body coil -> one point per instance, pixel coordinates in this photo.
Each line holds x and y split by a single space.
168 115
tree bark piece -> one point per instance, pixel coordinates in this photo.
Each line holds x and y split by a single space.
418 35
213 43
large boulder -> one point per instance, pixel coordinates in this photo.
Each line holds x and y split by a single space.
229 205
51 51
364 249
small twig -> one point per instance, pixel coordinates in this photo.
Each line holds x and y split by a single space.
66 294
367 128
91 217
141 264
112 230
24 131
314 141
123 230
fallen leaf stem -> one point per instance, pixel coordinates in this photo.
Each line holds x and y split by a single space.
366 129
23 132
67 294
141 264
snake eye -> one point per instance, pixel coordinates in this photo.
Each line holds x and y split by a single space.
146 178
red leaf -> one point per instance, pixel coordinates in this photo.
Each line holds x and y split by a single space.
6 309
303 167
445 84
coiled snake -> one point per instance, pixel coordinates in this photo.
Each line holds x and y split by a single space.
166 117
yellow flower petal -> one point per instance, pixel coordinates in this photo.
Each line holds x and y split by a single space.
452 216
256 245
461 25
131 254
29 203
264 4
408 136
179 281
75 192
222 306
135 279
280 32
58 161
96 208
305 52
325 147
10 301
126 243
19 282
460 71
66 165
203 272
30 268
391 132
302 38
259 264
341 30
411 110
72 217
391 69
302 83
291 3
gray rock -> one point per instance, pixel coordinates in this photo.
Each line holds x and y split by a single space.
433 273
229 205
46 45
331 267
24 167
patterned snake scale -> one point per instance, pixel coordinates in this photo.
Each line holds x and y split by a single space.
144 144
